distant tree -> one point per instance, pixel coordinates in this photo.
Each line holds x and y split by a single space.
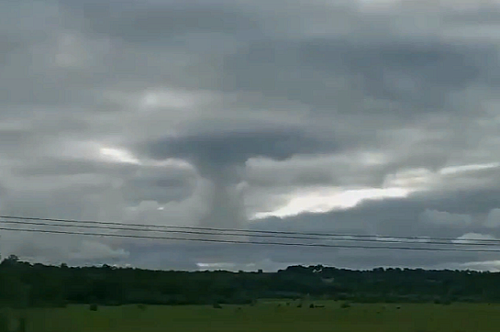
23 284
13 258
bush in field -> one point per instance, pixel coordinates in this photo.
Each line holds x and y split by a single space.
93 307
217 306
141 307
345 305
4 323
446 302
22 325
61 304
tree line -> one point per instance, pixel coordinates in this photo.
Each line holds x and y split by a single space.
23 284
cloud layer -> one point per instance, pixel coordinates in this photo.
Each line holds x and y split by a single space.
369 117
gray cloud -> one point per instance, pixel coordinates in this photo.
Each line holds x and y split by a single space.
153 22
237 147
436 214
415 74
265 101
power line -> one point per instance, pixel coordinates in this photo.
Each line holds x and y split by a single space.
157 230
311 245
247 231
374 240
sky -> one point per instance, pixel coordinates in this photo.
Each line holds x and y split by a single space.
371 117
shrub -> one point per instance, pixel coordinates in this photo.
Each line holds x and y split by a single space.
93 307
446 302
141 307
4 323
61 304
217 306
22 325
345 305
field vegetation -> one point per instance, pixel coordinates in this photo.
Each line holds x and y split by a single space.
39 298
266 316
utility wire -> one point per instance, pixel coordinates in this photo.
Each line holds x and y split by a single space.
248 232
312 245
274 236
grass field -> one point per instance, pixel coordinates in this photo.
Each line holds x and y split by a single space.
270 316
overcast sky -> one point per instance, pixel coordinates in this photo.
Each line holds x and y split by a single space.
375 117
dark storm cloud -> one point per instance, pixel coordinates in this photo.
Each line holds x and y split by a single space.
61 167
237 147
8 46
162 188
305 86
402 216
139 183
152 22
220 154
434 215
220 158
416 73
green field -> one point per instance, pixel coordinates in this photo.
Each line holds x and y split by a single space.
269 316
